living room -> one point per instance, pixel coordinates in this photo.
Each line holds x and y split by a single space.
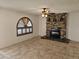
11 12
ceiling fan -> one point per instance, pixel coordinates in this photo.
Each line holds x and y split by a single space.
45 12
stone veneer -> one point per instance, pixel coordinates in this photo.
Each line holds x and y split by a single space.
56 21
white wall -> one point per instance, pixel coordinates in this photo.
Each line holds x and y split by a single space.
73 26
8 21
42 26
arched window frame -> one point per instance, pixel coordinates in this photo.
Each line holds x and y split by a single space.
25 27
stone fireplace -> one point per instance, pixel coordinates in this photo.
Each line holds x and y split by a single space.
56 25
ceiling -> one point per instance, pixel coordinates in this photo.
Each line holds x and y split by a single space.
35 6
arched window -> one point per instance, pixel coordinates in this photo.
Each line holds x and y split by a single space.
24 26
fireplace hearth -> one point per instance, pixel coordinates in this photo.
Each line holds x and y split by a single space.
64 40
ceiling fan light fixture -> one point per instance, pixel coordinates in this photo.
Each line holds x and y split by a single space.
44 12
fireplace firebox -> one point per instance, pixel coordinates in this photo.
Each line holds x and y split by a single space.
55 34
